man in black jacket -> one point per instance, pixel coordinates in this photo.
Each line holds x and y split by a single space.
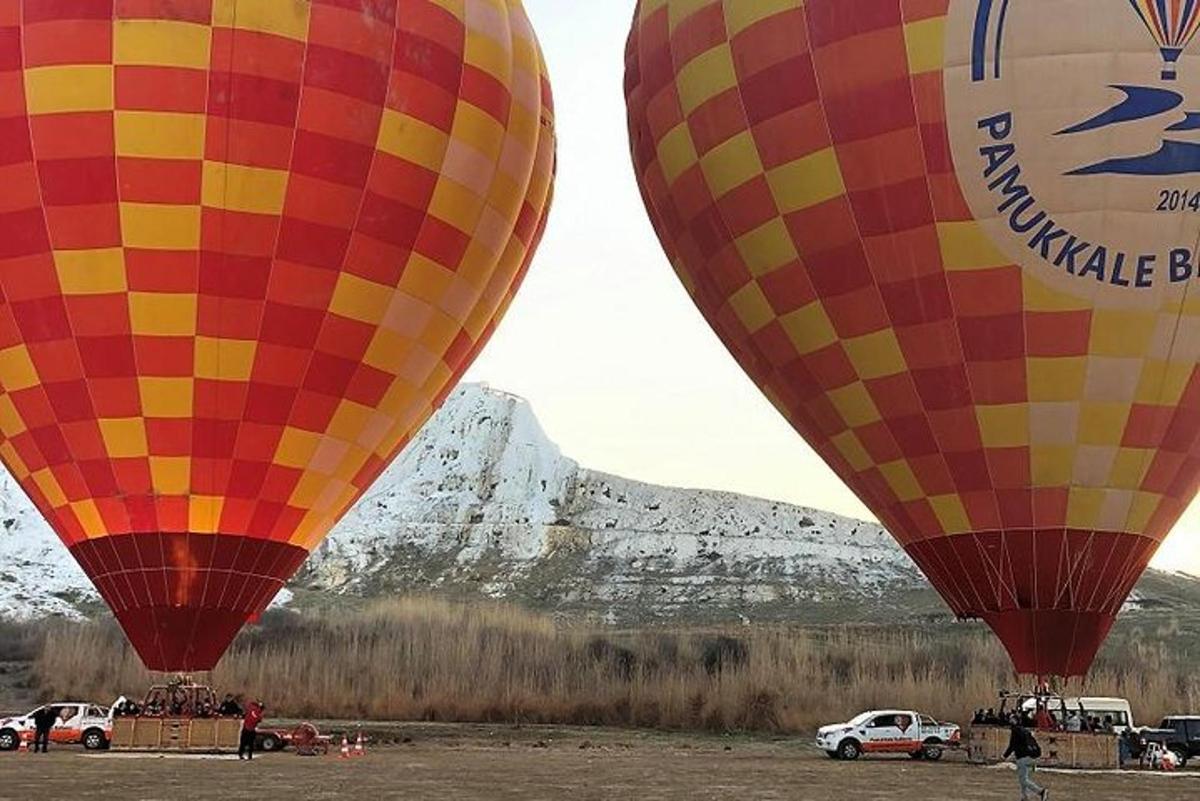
1025 749
230 707
43 722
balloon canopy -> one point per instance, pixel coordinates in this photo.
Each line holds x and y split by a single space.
246 248
955 244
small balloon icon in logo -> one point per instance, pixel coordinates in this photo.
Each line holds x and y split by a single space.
1173 24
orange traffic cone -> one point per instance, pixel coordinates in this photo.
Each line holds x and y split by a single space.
358 746
345 754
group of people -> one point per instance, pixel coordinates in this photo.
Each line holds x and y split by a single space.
1042 719
1077 721
178 703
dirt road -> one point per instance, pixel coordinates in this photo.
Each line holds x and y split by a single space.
499 763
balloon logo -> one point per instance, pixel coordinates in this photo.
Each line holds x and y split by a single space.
1173 24
958 264
246 248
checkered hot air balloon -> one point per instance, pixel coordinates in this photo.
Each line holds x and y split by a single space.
1173 24
246 248
1028 445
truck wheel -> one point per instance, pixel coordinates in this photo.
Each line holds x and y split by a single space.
849 749
270 742
1181 757
932 752
9 740
94 740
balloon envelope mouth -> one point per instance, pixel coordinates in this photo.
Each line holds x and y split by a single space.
182 598
1051 642
1050 595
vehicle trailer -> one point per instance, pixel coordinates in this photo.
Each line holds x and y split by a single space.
304 738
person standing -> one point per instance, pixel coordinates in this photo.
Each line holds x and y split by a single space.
43 722
1024 748
254 716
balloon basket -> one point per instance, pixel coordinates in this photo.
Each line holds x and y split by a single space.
1060 749
1170 63
204 735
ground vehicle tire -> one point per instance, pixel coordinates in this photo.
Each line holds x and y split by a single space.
932 751
1181 757
94 740
849 749
831 754
270 742
9 740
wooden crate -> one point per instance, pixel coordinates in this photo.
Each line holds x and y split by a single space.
176 734
1060 749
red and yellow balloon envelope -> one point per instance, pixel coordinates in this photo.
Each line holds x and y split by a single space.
955 243
246 248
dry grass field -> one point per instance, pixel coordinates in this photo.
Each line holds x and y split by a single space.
466 763
430 660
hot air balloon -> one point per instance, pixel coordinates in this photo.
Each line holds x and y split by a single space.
1173 24
246 248
978 312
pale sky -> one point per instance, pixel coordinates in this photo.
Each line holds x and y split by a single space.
621 369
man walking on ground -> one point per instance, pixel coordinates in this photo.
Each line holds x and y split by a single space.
1025 749
43 722
254 716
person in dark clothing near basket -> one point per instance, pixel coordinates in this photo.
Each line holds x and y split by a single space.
43 722
254 716
230 708
1024 748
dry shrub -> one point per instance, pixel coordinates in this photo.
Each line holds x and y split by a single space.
421 659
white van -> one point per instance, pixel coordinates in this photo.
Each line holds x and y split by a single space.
1068 711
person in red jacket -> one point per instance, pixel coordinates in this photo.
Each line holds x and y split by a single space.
254 716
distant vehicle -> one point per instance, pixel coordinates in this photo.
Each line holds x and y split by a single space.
888 731
83 723
1177 733
1064 709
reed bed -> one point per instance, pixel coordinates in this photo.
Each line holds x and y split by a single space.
426 659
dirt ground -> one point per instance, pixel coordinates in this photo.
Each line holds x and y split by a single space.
531 763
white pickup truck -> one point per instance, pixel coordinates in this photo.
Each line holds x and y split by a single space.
76 722
888 731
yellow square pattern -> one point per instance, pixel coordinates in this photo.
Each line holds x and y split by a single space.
807 181
75 88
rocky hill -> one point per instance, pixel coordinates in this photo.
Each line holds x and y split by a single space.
482 503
